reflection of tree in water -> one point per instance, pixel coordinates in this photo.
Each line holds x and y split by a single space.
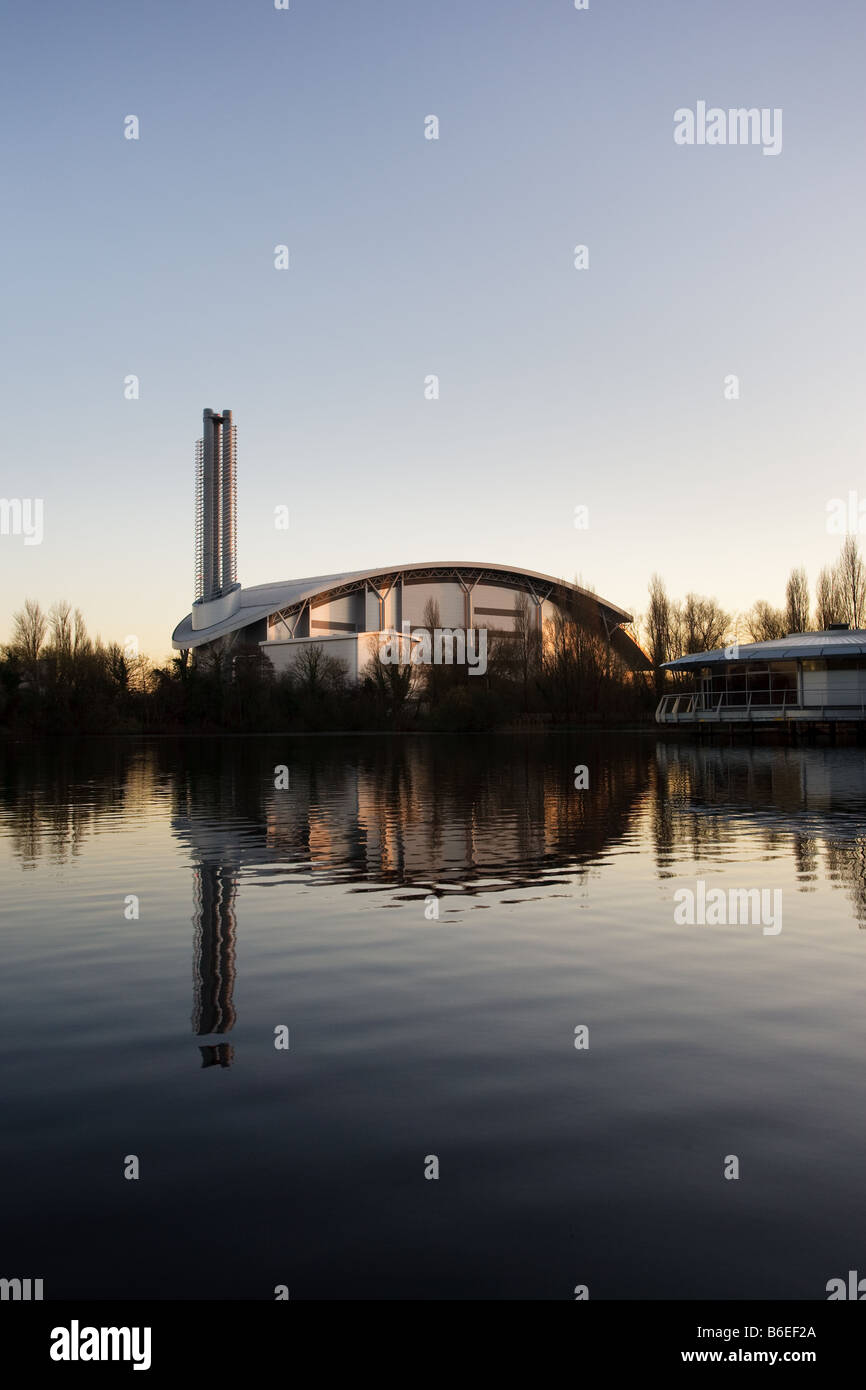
446 816
845 863
808 802
805 849
463 816
385 815
55 793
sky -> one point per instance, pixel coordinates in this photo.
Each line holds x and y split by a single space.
603 387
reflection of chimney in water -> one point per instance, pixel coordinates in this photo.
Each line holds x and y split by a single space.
214 960
217 1055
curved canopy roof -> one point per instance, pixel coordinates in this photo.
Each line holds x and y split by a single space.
260 600
797 646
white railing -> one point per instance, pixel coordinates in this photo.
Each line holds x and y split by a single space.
700 707
741 704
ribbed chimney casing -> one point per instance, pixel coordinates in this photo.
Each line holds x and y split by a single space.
228 504
199 520
216 507
210 508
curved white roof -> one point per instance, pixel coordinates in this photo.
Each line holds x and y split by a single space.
260 600
797 646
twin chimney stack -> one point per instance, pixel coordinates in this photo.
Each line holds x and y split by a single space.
215 507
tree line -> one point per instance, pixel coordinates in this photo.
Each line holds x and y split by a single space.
672 628
55 678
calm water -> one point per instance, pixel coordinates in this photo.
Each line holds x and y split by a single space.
312 907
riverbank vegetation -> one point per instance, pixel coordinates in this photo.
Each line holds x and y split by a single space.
56 678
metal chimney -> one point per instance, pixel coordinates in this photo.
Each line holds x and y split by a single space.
228 505
215 507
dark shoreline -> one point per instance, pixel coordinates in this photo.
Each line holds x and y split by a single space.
535 730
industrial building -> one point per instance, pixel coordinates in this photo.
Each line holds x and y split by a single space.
341 611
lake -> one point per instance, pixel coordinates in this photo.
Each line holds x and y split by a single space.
477 969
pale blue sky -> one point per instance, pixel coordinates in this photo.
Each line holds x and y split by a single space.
558 387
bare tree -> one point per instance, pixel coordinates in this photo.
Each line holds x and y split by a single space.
29 630
140 673
576 659
704 624
81 643
797 602
764 623
316 672
60 627
393 681
117 665
216 658
69 644
827 603
436 678
851 582
526 640
432 618
659 627
180 663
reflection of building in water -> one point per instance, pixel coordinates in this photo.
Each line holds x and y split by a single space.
215 889
808 800
424 819
780 783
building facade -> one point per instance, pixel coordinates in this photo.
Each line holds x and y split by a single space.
817 677
341 612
